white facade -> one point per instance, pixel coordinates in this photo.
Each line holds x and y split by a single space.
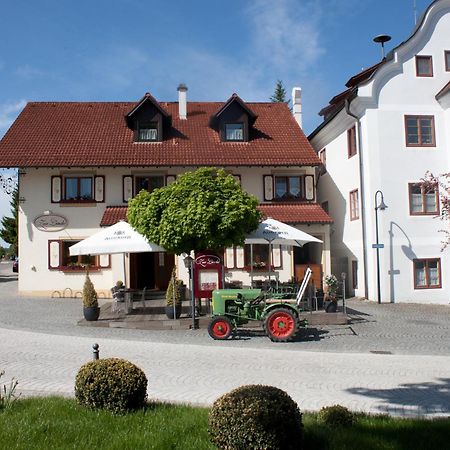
386 161
37 277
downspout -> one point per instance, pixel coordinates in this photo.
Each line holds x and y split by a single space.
361 188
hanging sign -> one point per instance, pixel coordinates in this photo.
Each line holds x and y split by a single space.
50 222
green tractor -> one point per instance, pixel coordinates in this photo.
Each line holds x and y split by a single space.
280 314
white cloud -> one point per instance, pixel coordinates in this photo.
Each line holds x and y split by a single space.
286 32
8 113
28 72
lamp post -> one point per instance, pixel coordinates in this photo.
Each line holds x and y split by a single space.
189 264
382 206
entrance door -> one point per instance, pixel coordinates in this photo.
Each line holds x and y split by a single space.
151 270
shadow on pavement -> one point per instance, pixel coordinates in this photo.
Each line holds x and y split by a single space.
304 335
7 278
416 398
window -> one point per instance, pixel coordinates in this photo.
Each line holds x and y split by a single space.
424 66
148 183
447 60
234 131
148 132
78 188
423 200
261 256
289 188
75 262
427 273
420 131
354 205
351 142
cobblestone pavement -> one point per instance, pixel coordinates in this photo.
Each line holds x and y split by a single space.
43 348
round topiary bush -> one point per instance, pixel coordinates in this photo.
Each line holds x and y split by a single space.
336 416
112 383
256 417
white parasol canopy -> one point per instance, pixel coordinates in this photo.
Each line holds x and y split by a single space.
276 232
271 231
118 238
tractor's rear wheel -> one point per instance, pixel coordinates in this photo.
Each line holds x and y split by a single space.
220 328
281 325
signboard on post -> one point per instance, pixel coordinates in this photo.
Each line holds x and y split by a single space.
208 274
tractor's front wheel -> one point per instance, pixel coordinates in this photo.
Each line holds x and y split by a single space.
281 325
220 328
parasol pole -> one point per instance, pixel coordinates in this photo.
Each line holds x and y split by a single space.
251 266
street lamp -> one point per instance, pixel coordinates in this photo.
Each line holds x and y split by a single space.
382 206
189 264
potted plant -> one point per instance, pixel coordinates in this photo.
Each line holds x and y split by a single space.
331 287
91 310
174 297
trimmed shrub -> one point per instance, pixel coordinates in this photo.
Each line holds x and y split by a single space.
89 294
112 383
336 416
256 417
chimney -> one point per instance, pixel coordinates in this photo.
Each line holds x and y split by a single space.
182 101
297 105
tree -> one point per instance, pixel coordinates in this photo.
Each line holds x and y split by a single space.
441 183
279 94
205 209
9 224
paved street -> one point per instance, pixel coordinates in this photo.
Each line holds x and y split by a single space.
392 358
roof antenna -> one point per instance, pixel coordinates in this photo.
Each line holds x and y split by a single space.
381 39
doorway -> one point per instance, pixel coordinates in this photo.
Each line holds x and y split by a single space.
151 270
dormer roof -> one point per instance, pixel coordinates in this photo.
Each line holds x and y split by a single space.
147 98
235 99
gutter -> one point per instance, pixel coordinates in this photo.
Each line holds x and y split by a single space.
361 187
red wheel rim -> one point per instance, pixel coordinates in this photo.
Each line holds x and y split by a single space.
281 325
221 328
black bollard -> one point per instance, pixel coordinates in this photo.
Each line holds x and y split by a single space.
95 352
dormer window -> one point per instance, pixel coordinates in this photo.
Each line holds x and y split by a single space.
234 131
148 132
234 121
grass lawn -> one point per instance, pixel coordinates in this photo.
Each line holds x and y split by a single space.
57 423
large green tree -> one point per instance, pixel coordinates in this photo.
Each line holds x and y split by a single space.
9 225
205 209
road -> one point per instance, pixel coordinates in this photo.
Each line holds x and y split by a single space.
406 372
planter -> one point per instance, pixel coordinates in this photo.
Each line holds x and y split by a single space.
169 312
331 307
92 313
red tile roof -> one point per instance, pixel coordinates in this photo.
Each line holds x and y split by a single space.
295 212
95 134
113 214
284 212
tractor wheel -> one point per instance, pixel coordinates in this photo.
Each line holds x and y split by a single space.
281 325
220 328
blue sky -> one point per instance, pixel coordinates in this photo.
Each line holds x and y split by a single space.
107 50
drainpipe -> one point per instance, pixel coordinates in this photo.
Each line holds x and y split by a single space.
361 188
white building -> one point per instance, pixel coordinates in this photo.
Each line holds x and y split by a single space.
79 163
383 133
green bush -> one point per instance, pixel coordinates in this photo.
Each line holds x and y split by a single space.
336 416
256 417
89 295
178 291
114 384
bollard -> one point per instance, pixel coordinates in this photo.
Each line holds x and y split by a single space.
95 352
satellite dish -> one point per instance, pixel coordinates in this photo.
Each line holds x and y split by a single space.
381 39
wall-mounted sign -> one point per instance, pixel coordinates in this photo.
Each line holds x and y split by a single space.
50 222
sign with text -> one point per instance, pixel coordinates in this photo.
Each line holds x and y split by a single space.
50 222
208 271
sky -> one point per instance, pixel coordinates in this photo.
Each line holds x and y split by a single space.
117 50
